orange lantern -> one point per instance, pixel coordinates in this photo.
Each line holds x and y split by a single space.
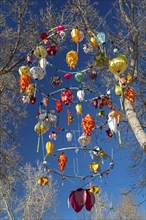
49 147
62 160
107 102
129 94
75 34
117 114
24 82
88 124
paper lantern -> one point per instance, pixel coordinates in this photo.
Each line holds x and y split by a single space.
53 135
112 123
45 101
67 97
98 102
58 106
32 100
25 99
40 52
67 76
24 82
96 153
60 28
94 189
127 79
75 34
84 140
79 77
117 66
80 95
37 73
24 70
88 124
81 198
43 63
69 136
118 89
101 114
62 160
56 81
92 75
79 109
44 36
101 37
72 58
43 181
129 94
51 50
107 102
81 37
29 59
40 128
93 41
87 48
94 167
30 90
49 147
117 114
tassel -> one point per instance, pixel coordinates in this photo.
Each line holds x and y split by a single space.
38 145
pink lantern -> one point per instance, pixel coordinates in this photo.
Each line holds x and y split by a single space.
53 135
51 50
67 76
60 28
67 97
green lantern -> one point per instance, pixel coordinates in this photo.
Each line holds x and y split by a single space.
79 77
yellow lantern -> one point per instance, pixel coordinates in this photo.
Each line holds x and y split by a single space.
43 181
127 79
79 109
117 65
24 70
118 89
94 189
72 58
49 147
40 52
40 128
75 34
93 41
94 167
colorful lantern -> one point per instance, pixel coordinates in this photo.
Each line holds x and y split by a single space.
40 128
117 114
88 124
87 48
79 109
29 59
69 136
109 133
58 106
24 82
117 66
56 81
106 102
67 97
80 95
24 70
127 79
25 99
93 41
101 114
53 135
84 140
43 63
30 90
81 198
40 52
92 75
101 60
37 73
51 50
81 37
96 153
49 147
67 76
112 123
75 34
32 100
62 34
72 58
45 101
94 167
60 28
79 77
98 102
101 37
43 181
62 160
118 89
129 94
94 189
44 38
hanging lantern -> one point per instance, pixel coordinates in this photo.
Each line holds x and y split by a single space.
37 73
117 114
106 102
62 160
75 34
81 37
112 123
40 52
49 147
45 101
29 59
129 94
72 58
62 34
98 102
101 37
84 140
88 124
24 82
118 89
93 41
94 167
81 198
101 114
44 38
30 90
94 189
101 60
69 136
127 79
67 97
58 106
117 66
43 181
24 70
87 48
32 100
79 109
109 133
25 99
67 76
92 75
96 153
51 50
53 135
43 63
80 95
79 77
40 128
60 28
56 81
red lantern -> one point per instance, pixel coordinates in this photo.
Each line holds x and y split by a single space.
67 97
51 50
129 94
60 28
67 76
24 82
44 38
58 106
88 124
62 160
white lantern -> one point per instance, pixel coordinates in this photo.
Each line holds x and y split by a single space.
81 36
80 95
37 73
69 136
43 63
112 123
84 140
25 99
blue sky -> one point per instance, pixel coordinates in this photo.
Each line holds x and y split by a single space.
118 178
